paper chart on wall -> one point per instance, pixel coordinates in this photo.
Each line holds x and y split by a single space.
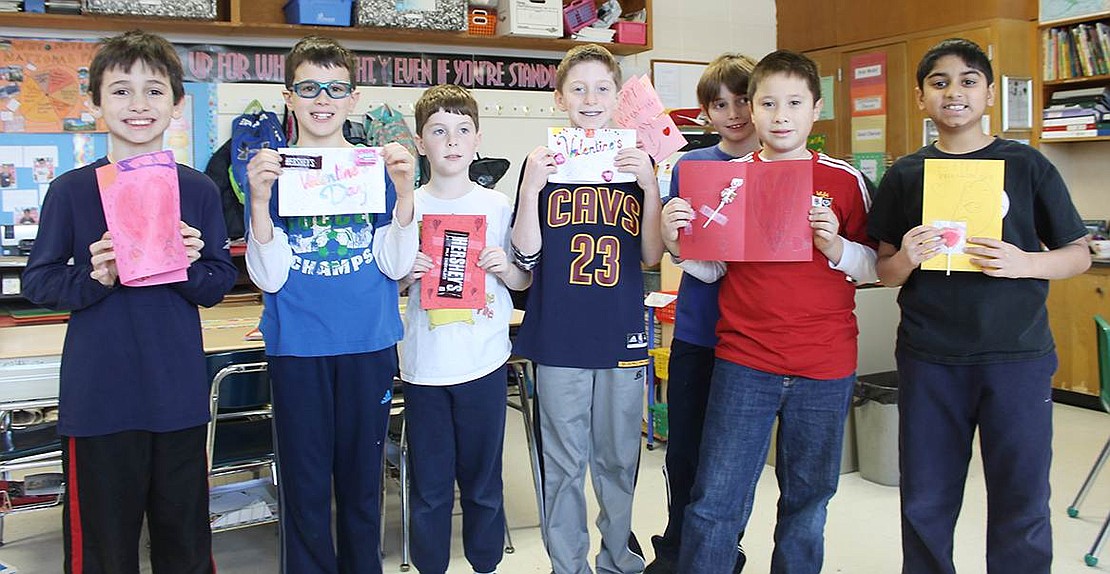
587 156
962 198
142 206
331 181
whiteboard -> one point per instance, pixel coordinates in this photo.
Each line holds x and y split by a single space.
676 82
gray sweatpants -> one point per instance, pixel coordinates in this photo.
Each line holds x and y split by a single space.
590 415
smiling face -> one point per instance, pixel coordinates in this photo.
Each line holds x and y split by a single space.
137 106
783 111
588 95
731 115
320 119
955 96
450 141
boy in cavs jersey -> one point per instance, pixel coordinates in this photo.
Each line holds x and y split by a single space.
584 323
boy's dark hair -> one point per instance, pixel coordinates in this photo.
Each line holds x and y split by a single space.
448 98
586 53
966 50
321 51
122 51
729 70
790 64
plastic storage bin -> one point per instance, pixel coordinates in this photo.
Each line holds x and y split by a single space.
319 12
481 22
630 33
876 411
577 15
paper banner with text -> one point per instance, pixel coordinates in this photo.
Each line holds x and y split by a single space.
871 164
640 108
142 206
454 243
867 75
587 156
869 134
747 211
44 86
331 181
962 198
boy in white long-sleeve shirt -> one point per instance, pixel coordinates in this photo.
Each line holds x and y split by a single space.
331 324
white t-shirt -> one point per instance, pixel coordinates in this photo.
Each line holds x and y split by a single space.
451 346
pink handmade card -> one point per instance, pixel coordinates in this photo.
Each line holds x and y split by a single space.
142 206
747 211
640 108
454 243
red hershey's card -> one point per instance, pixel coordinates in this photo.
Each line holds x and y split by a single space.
747 211
454 243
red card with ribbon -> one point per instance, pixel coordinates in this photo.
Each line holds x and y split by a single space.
747 211
454 243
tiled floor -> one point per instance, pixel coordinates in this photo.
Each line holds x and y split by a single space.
862 533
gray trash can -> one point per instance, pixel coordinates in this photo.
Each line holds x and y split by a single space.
876 410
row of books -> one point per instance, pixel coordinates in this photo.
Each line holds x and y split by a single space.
1079 113
1076 51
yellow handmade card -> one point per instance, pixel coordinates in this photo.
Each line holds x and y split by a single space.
963 198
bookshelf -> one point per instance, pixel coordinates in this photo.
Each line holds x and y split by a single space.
1074 55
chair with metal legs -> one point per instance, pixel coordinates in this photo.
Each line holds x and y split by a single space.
1102 331
240 432
27 447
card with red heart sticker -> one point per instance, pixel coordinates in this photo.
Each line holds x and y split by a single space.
640 108
589 155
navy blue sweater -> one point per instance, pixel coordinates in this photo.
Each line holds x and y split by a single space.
133 357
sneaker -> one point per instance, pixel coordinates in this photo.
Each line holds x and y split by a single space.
741 559
666 560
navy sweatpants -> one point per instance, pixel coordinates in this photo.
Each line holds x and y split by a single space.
457 432
330 421
939 408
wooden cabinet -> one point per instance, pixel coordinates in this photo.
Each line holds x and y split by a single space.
1009 43
238 21
836 138
1072 304
805 25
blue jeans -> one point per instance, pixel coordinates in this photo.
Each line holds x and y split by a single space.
743 405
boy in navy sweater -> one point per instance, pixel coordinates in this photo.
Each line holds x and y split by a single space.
134 388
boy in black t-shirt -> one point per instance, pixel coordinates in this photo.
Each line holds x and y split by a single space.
974 349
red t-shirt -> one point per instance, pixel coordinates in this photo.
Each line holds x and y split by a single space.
796 318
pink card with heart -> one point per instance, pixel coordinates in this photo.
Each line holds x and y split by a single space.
142 206
640 108
588 156
747 211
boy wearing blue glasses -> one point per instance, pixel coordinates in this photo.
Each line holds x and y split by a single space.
331 326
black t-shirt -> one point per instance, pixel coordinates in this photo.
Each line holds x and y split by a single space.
967 317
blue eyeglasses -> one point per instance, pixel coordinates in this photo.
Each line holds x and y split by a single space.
335 89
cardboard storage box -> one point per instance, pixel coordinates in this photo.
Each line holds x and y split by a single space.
319 12
542 18
448 15
192 9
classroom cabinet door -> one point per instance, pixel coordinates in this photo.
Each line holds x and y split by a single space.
828 66
895 102
1072 304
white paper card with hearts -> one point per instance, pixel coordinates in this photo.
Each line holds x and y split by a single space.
587 156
